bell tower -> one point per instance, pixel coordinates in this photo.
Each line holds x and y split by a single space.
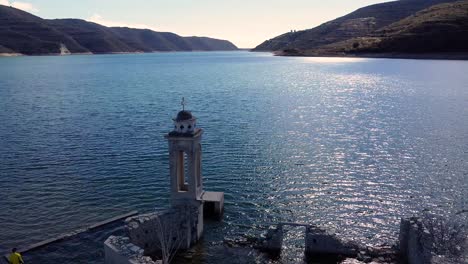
185 170
185 159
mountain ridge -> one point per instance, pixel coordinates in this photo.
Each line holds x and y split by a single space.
362 23
27 34
440 31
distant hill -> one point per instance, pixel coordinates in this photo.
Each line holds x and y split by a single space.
94 37
24 33
5 50
441 28
360 23
204 43
21 32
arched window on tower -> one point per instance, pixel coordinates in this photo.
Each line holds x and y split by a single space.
182 173
198 165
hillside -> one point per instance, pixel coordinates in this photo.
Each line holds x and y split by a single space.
21 32
24 33
5 50
359 23
441 28
94 37
147 40
204 43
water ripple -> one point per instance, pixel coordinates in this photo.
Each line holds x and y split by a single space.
352 145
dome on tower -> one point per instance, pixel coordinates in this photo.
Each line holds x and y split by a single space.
185 124
183 115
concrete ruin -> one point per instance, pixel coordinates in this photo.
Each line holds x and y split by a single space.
413 246
274 241
181 226
121 250
418 242
423 240
318 242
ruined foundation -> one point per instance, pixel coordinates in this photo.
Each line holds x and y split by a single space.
419 244
146 232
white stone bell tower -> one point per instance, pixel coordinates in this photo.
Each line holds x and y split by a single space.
185 159
185 170
189 202
185 165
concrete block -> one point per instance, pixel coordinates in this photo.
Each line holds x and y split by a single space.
119 250
403 237
420 246
213 204
416 243
274 241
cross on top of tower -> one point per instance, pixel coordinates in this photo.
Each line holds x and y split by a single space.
183 103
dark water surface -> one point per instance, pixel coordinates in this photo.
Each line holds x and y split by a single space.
350 144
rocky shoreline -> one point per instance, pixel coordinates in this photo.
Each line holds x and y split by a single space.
417 56
90 53
10 54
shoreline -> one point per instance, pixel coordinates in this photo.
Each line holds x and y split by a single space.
106 53
414 56
11 54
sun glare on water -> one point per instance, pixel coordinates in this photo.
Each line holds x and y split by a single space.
333 59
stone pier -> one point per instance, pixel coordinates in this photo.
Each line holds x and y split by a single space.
213 204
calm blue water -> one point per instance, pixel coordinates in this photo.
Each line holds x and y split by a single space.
350 144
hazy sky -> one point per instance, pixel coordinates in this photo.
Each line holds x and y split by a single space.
245 23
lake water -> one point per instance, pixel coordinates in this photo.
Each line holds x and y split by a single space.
348 144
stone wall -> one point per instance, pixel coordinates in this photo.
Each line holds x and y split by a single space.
176 225
119 250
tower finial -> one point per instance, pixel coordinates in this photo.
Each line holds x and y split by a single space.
183 103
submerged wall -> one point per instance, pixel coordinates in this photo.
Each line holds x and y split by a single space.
119 250
175 228
178 225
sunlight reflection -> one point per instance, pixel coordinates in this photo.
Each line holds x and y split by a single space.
333 59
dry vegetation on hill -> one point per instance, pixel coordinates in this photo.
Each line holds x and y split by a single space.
441 28
21 32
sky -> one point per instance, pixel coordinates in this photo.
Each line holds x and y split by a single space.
245 23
